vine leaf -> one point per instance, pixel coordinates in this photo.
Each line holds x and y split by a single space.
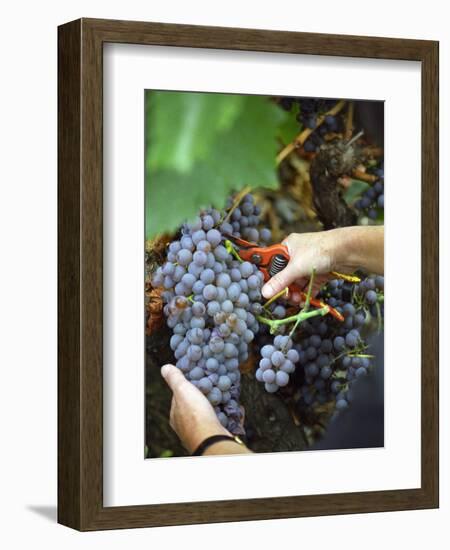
190 165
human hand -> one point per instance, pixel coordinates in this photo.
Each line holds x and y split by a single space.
307 251
344 250
191 414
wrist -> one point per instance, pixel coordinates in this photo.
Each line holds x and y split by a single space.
203 432
345 253
230 447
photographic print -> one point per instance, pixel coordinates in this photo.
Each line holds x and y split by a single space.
264 270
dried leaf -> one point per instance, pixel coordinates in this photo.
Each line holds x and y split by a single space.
154 309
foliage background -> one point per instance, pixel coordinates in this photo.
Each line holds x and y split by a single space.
202 146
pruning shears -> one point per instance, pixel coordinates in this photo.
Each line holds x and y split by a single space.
270 260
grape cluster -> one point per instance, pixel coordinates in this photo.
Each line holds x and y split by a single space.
333 354
370 293
211 302
244 220
309 111
372 200
277 363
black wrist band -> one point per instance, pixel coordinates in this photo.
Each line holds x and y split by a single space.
214 439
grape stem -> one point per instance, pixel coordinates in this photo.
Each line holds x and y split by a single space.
283 292
301 316
363 176
379 325
309 291
304 135
298 318
352 353
307 301
231 250
349 121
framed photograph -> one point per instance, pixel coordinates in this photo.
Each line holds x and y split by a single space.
223 195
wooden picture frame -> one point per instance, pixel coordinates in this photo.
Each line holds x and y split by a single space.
80 271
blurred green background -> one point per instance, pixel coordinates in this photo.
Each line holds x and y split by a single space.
199 147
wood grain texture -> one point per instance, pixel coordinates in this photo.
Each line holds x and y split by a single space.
69 248
80 241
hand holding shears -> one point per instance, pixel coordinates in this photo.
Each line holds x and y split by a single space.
270 260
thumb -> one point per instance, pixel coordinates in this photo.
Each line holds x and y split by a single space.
173 377
280 281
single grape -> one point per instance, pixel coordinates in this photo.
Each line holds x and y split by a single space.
360 372
214 237
341 404
325 372
277 359
265 235
215 396
235 274
208 222
224 383
371 297
205 385
270 388
210 292
216 344
234 291
293 355
200 258
279 311
338 343
267 351
282 378
351 340
288 366
230 350
220 252
269 376
184 257
246 269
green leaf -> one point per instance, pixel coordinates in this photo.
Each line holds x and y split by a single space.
182 126
354 191
234 156
290 127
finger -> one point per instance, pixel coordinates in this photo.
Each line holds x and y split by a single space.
172 413
279 281
174 377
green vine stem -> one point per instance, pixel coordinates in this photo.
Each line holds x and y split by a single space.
309 291
280 294
231 250
298 318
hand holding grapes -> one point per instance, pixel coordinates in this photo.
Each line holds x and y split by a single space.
192 415
345 250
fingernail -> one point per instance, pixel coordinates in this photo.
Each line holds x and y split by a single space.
265 291
165 370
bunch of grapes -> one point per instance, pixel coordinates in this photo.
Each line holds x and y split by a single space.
244 220
277 363
370 293
309 111
333 354
211 302
372 200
